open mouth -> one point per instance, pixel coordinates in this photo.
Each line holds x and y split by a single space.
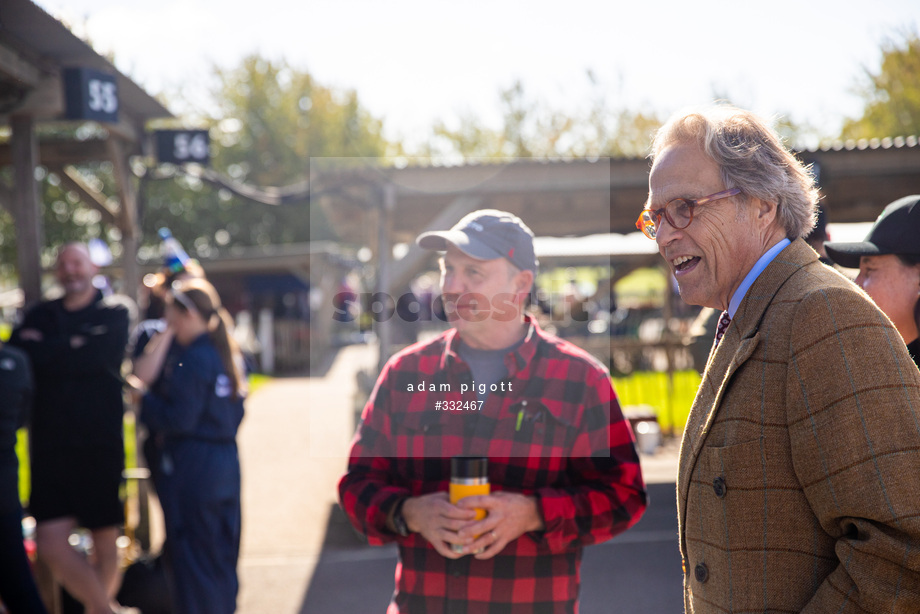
684 263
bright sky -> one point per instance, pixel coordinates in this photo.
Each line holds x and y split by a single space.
415 61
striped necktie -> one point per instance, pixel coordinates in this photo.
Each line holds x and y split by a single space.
724 321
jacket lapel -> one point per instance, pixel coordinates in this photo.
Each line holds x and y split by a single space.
731 353
735 348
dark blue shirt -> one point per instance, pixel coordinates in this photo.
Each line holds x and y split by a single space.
196 398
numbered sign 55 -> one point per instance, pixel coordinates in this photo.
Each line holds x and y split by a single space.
183 146
91 95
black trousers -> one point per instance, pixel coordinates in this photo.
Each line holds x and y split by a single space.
17 585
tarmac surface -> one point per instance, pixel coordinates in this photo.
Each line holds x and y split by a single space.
299 555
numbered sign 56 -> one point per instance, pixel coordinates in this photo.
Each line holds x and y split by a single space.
91 95
183 146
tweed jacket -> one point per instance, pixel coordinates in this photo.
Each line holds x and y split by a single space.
799 481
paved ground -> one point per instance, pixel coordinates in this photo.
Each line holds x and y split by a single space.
300 556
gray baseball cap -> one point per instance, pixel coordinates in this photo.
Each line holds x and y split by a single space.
487 234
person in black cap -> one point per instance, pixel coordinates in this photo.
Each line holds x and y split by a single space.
889 266
562 462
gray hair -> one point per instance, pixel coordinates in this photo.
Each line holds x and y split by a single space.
751 157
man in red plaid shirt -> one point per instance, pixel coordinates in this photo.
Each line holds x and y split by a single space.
562 463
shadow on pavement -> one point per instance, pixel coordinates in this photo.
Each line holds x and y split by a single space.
350 576
638 572
321 363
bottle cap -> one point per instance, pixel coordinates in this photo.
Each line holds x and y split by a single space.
175 258
469 467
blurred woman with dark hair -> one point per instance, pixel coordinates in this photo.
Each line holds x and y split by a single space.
150 333
196 407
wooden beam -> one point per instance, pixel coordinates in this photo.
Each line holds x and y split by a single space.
13 65
46 101
127 130
52 153
29 231
73 180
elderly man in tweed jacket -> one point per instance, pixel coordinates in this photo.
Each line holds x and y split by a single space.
799 479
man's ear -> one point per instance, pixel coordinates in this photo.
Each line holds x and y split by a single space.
767 211
523 282
766 208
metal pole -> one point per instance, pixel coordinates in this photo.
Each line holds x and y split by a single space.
384 257
669 337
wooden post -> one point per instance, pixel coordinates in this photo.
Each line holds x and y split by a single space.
127 223
127 218
27 208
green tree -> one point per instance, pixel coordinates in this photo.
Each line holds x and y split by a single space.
531 128
65 217
269 120
891 93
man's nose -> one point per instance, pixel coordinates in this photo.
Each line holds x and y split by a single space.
451 284
665 234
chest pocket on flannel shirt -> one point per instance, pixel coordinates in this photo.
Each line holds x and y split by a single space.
535 430
427 433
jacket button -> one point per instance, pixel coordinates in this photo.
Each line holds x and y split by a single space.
701 572
718 486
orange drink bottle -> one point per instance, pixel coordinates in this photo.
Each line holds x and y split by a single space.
469 475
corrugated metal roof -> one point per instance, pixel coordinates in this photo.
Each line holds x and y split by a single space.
888 142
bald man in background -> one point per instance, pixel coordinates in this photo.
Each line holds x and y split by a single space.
76 344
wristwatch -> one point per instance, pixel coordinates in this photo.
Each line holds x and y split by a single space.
399 522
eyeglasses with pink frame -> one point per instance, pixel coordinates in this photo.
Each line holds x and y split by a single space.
678 212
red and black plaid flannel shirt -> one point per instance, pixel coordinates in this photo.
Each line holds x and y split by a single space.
568 445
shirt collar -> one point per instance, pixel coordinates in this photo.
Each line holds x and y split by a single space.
753 274
516 360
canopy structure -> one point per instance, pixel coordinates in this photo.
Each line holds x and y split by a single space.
381 206
36 53
568 197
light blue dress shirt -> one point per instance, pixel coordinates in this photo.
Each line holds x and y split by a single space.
753 274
